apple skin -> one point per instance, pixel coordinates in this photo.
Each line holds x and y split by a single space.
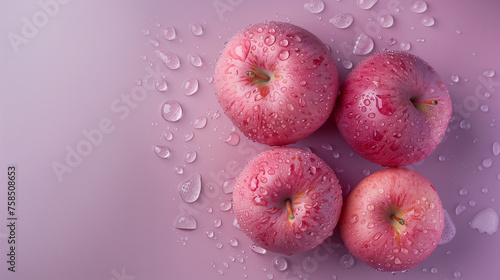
383 110
283 174
373 235
301 91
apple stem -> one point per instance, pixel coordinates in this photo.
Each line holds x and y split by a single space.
399 220
289 208
429 102
258 76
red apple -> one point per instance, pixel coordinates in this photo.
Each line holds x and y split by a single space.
393 109
276 82
392 220
287 200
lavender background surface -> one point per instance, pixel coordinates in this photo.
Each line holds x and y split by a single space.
79 115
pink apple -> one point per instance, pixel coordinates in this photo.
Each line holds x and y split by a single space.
276 82
287 200
392 220
393 109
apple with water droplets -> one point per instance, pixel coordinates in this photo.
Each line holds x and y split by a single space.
392 220
393 109
277 82
287 200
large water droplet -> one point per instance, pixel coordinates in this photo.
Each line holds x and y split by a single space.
386 20
200 122
347 261
195 60
459 209
449 230
366 4
171 111
419 6
284 55
190 190
161 151
232 139
190 86
489 73
496 149
196 29
405 45
228 185
342 20
170 60
314 6
270 40
280 263
485 221
364 45
169 33
190 156
225 206
284 43
233 242
257 249
161 85
428 21
347 64
185 221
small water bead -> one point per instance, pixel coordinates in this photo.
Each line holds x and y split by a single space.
487 162
161 151
347 64
366 172
364 45
200 122
196 29
195 60
489 73
169 33
257 249
218 246
484 108
171 111
428 21
189 136
190 86
217 222
386 20
284 55
190 189
270 276
496 149
233 242
442 158
161 85
391 42
185 222
465 124
455 78
420 40
459 209
472 203
457 274
327 147
463 191
366 4
225 206
342 20
419 7
228 185
170 60
154 42
314 6
232 139
484 190
145 32
485 221
210 79
190 157
280 263
347 261
434 270
168 135
405 45
179 170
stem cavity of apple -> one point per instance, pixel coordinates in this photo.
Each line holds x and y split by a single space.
289 209
398 219
258 77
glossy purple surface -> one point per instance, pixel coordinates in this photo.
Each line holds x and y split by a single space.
80 112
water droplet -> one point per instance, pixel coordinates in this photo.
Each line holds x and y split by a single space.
457 274
449 230
168 135
485 221
232 139
434 270
145 32
386 20
200 122
347 64
280 263
170 60
270 40
405 45
455 78
185 221
257 249
496 149
428 21
270 276
284 43
189 136
459 209
391 42
190 156
161 85
225 206
342 20
154 42
364 45
314 6
228 185
179 170
366 4
161 151
489 73
195 60
284 55
465 124
190 86
171 111
169 33
196 29
190 189
441 158
217 222
484 108
347 261
487 162
233 242
419 6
